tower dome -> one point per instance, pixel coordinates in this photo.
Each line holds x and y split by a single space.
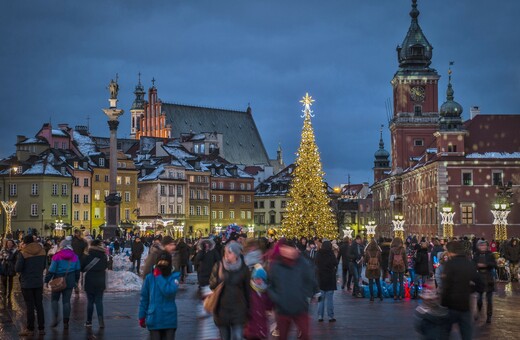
450 108
381 154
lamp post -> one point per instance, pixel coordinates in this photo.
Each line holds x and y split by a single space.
113 200
398 223
142 227
58 226
371 229
9 205
500 212
447 221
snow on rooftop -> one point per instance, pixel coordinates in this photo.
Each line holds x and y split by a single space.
177 152
154 175
57 132
501 155
32 140
85 144
42 169
200 136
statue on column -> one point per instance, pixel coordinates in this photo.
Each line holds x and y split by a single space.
113 87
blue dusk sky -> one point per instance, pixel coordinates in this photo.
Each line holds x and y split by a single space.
58 56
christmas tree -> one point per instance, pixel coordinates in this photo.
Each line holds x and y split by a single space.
308 210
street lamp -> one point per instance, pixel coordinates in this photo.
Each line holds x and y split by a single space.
58 226
371 229
447 221
142 226
398 223
500 212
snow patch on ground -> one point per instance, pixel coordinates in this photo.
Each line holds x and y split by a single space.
120 278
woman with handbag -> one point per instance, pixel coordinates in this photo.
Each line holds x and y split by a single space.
231 309
157 309
62 277
94 267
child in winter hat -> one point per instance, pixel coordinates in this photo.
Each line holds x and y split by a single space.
257 325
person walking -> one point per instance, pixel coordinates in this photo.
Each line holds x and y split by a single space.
257 325
397 263
231 312
421 267
355 257
343 257
94 267
512 254
8 257
79 246
31 264
292 284
373 269
157 307
158 247
486 265
137 251
64 264
326 268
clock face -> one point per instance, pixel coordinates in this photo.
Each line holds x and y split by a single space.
417 93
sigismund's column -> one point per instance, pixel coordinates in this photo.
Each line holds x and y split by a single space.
113 200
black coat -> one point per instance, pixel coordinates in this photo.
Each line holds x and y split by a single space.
486 273
459 279
79 245
183 252
30 264
343 254
95 278
205 260
326 267
355 252
8 263
421 262
137 250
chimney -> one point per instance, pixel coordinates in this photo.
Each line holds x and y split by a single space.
474 111
20 138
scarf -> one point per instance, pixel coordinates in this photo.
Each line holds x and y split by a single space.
259 288
232 267
253 257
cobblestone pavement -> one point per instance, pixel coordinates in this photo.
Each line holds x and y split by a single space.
356 318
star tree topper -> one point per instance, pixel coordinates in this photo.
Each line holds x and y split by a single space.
307 103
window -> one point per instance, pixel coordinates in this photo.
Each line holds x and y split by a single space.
180 175
284 204
192 179
76 198
231 198
220 214
96 178
272 218
231 214
127 196
106 178
163 190
199 194
206 195
248 214
231 185
221 185
255 205
418 142
34 209
452 148
63 210
206 212
199 210
243 215
180 210
179 191
497 176
163 209
101 162
64 190
85 198
262 204
54 189
213 198
127 180
85 215
76 182
85 182
96 213
192 194
242 199
76 215
248 199
192 210
467 213
248 186
34 189
242 186
221 198
214 214
119 180
12 190
97 195
417 50
417 110
127 214
213 185
467 177
271 204
106 193
171 190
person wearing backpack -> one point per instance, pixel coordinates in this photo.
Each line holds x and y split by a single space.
373 270
397 266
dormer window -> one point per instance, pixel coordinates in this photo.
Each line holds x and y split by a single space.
417 50
102 162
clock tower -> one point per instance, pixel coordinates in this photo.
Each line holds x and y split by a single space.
415 84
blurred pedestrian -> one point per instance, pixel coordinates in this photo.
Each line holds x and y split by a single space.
64 264
512 254
260 303
137 251
355 257
422 268
158 247
31 264
94 267
157 308
326 268
486 266
373 268
8 257
397 263
343 256
79 246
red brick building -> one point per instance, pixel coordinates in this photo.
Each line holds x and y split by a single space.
436 158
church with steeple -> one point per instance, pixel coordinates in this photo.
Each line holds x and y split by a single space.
437 158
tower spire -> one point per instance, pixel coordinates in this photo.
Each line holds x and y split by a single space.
415 52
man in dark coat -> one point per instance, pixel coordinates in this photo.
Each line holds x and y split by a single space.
355 257
205 259
512 254
183 253
79 245
486 264
326 268
94 266
30 264
459 279
343 256
421 267
137 252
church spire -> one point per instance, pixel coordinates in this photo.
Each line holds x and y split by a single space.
138 103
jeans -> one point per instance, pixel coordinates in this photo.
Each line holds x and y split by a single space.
7 286
163 334
233 332
411 271
33 298
344 273
138 260
463 319
371 287
65 300
400 276
354 269
283 323
326 298
489 299
97 299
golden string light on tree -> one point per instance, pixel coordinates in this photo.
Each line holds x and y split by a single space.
308 209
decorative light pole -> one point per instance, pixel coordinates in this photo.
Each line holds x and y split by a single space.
398 223
500 212
142 226
181 230
218 228
58 227
447 221
347 232
251 230
113 200
9 206
371 229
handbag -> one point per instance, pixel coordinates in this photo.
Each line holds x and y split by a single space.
211 301
58 284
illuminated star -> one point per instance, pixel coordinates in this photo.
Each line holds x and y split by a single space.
307 100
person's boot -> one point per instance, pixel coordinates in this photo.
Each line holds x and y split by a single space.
380 296
371 298
101 321
65 323
488 319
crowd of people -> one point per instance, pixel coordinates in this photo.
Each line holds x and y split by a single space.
246 282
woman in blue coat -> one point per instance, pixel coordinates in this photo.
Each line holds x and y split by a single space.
157 310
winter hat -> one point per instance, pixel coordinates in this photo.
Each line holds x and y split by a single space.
479 242
167 240
259 272
66 243
234 247
28 239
